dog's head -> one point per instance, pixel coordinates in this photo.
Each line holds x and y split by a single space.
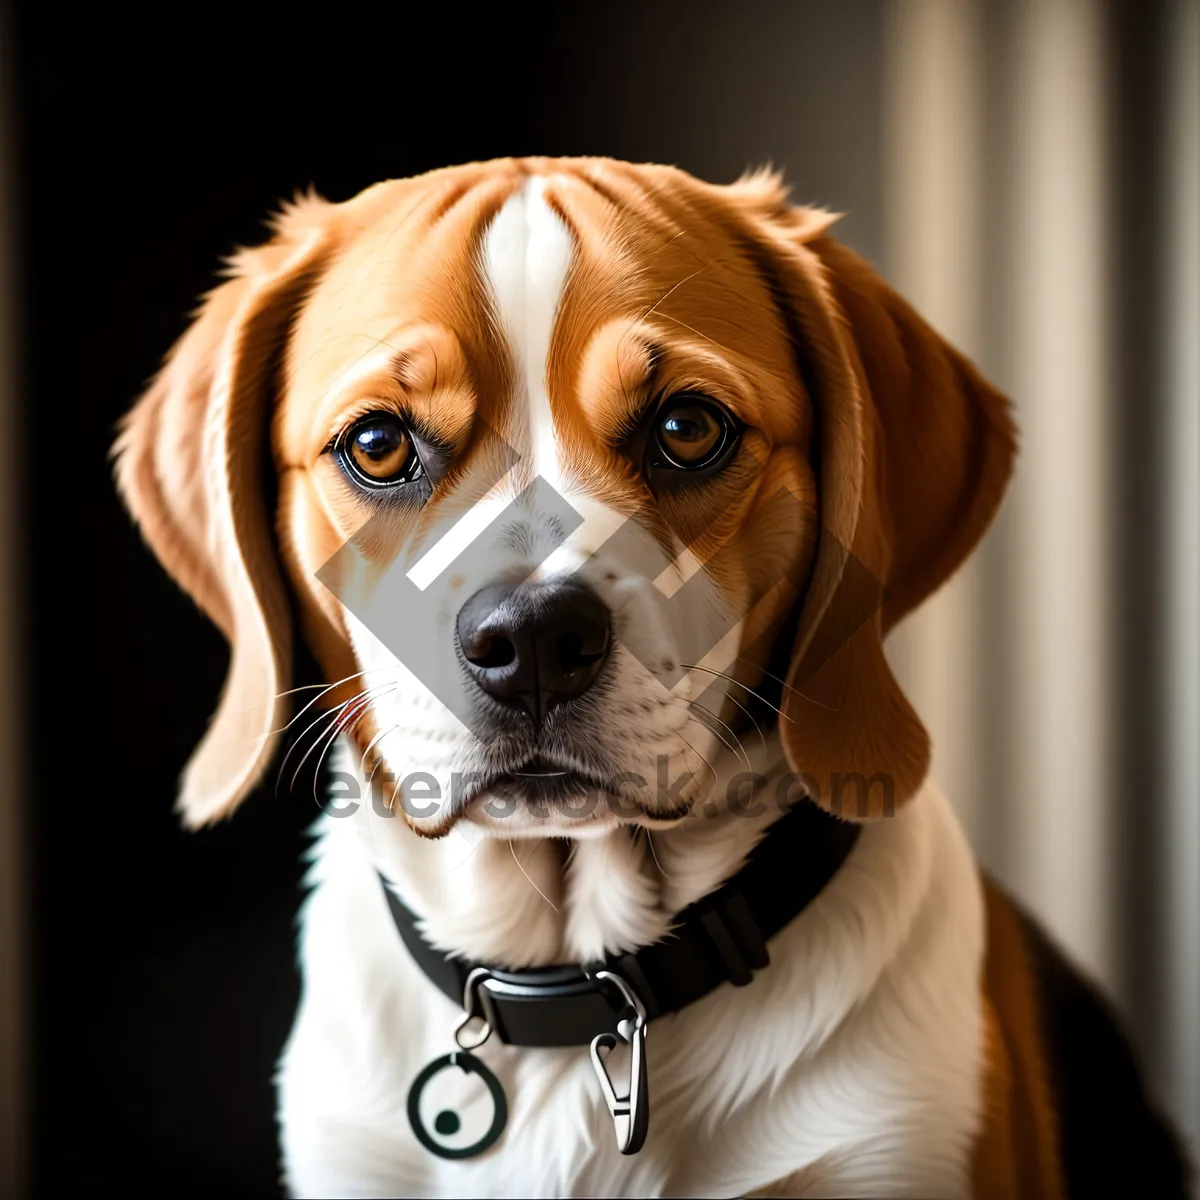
565 467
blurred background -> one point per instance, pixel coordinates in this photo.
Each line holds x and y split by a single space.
1027 172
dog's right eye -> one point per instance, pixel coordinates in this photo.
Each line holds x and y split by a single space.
378 451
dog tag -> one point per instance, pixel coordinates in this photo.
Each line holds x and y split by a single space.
448 1122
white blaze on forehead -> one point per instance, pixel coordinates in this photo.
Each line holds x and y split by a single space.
526 254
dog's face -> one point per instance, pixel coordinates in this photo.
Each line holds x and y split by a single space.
580 467
607 399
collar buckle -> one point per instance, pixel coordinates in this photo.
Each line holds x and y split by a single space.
630 1110
471 1012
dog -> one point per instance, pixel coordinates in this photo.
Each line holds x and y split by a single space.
594 490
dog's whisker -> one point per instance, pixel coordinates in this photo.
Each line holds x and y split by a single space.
324 691
700 756
751 692
787 687
347 722
351 725
391 804
757 726
299 739
737 682
738 748
362 763
304 687
654 854
331 715
735 700
521 868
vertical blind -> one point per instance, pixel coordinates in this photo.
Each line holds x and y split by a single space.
1040 206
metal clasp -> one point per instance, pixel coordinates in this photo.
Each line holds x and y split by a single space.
631 1111
471 1007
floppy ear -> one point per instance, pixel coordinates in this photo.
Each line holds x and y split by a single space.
913 452
190 461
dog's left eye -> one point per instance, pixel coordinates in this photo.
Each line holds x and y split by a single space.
691 432
378 451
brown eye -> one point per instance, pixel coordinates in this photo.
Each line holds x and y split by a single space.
692 432
378 450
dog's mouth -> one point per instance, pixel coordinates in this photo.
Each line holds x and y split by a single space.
551 796
545 777
541 782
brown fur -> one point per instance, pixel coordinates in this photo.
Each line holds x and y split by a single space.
1018 1149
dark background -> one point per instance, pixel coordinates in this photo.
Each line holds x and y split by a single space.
149 140
156 138
152 139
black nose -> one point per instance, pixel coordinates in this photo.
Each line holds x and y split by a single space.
537 645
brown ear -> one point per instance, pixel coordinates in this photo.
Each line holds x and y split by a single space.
914 450
189 466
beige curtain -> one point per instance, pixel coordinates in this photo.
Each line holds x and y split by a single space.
999 222
1180 842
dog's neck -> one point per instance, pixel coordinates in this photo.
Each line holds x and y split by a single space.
869 1006
533 901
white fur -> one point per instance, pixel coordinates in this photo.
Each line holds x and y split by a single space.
527 253
854 1056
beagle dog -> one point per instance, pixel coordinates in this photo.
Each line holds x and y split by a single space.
594 490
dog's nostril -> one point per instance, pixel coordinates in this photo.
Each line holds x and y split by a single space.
570 646
574 651
492 651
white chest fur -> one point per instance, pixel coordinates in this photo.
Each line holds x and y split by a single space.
852 1062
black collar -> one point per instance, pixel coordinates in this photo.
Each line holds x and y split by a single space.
721 938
